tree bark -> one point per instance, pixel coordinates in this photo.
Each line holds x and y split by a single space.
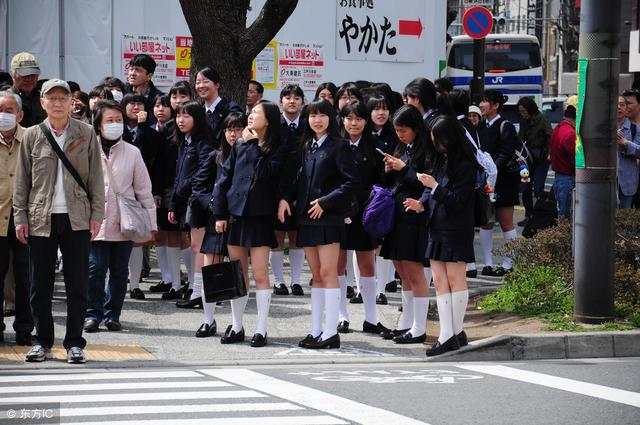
221 39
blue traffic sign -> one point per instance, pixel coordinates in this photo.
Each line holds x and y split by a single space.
477 22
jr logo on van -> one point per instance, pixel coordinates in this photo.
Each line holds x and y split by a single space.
496 80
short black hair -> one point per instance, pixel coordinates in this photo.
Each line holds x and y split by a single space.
443 85
459 101
259 86
182 87
570 112
529 105
102 92
632 93
144 61
133 98
294 89
114 82
73 86
210 74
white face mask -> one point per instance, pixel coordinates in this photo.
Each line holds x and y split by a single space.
112 131
117 95
7 121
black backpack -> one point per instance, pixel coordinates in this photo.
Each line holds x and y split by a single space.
543 216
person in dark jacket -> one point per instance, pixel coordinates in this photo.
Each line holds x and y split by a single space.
535 131
247 193
323 191
407 242
450 185
422 94
208 88
139 75
291 128
498 137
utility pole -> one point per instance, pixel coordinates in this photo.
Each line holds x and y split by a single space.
477 83
595 195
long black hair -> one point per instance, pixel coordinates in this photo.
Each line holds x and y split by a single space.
272 115
451 145
233 120
323 107
329 86
423 150
200 130
423 90
360 110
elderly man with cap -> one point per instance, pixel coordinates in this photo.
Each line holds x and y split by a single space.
11 134
25 72
58 201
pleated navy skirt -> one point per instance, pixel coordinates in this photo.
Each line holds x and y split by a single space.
319 235
251 232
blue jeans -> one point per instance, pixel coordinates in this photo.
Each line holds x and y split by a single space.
538 178
113 256
624 201
563 190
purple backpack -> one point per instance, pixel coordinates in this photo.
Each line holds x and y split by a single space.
377 218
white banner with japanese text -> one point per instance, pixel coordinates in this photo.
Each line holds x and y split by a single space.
301 63
162 48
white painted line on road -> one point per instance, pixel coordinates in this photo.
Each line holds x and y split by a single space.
570 385
73 386
344 351
312 398
90 398
181 408
92 376
273 420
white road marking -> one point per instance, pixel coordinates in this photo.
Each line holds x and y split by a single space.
182 408
112 386
273 420
344 351
312 398
91 398
104 376
564 384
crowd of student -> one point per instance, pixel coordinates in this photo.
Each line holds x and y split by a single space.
220 182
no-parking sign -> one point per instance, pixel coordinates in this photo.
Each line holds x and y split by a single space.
477 22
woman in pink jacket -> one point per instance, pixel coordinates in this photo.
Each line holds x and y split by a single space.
110 250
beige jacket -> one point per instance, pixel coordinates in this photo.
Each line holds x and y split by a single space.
36 174
8 159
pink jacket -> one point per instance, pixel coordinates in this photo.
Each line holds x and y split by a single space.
132 178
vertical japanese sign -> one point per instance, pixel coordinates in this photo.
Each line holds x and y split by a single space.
377 30
583 64
265 66
301 63
183 57
162 48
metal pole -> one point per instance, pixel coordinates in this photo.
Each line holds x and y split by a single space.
477 83
595 196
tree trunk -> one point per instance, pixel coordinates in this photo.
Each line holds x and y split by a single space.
221 39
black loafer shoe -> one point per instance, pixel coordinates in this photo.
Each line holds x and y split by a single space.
160 287
381 299
205 330
472 274
318 343
258 340
194 303
23 338
350 292
449 345
232 337
311 282
172 295
136 294
394 333
113 325
407 338
307 339
488 271
280 289
462 339
501 271
391 286
343 327
91 325
357 299
297 290
377 329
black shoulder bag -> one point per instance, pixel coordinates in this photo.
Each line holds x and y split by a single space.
64 159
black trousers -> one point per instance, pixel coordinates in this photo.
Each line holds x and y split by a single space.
10 245
74 246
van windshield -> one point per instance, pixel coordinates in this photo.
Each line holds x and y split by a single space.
499 57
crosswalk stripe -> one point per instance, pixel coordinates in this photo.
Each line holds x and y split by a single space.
112 386
309 397
103 376
183 409
90 398
272 420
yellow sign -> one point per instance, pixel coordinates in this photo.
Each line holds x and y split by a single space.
264 67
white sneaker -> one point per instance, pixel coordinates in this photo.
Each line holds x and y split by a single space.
38 354
75 355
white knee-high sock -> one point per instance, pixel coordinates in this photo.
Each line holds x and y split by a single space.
427 275
471 266
368 291
420 311
209 310
445 313
296 261
381 274
351 272
331 307
189 259
135 267
317 310
406 319
459 301
173 263
391 272
486 243
276 259
344 313
508 236
263 301
197 286
237 312
161 253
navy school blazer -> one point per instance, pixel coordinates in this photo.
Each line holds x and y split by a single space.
188 163
406 185
369 166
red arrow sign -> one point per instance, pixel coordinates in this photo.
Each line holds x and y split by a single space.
410 28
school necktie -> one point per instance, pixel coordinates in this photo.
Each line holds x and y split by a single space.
293 127
314 147
353 147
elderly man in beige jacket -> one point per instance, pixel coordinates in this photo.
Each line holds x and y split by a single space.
53 208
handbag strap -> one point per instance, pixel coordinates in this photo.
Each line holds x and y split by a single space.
63 158
112 182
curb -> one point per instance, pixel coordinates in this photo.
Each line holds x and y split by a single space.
548 346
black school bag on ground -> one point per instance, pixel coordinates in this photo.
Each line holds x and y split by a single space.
543 216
